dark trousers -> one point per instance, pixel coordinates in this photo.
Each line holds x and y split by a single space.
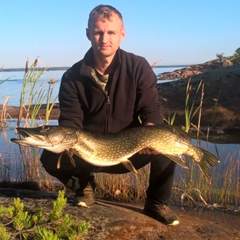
161 172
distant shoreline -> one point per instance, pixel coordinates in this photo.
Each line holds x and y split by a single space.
40 69
65 68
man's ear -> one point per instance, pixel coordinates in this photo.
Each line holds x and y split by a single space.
88 34
123 33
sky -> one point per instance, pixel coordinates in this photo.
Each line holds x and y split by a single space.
166 32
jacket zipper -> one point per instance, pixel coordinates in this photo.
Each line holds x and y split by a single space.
108 103
107 126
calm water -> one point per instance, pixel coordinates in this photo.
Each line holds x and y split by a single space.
13 86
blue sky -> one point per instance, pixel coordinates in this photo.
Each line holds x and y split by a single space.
163 31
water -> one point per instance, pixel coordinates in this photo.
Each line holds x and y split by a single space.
13 86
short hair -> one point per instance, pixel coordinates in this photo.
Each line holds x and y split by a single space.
103 11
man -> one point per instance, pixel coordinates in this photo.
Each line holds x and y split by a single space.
107 91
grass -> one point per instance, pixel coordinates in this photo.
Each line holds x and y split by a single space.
190 110
33 95
123 187
18 223
4 114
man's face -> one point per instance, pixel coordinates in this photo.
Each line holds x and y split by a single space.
106 35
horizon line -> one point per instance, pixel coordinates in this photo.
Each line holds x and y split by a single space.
65 68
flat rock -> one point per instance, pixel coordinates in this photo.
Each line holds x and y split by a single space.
117 221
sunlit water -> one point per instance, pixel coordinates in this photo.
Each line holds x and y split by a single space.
13 86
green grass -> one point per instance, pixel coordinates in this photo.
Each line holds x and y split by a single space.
18 223
31 103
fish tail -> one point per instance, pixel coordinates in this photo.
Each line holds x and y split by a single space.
206 162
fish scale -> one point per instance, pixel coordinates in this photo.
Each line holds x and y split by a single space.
111 149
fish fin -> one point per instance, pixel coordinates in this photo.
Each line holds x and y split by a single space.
179 131
128 164
72 161
207 160
70 155
59 160
178 160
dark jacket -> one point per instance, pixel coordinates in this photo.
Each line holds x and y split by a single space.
131 92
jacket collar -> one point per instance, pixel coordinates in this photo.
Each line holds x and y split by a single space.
88 62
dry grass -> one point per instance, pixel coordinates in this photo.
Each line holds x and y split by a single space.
123 187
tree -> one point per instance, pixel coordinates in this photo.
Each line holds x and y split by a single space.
220 56
236 59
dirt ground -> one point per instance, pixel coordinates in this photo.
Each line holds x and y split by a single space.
118 221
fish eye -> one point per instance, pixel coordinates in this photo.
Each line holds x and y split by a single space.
45 127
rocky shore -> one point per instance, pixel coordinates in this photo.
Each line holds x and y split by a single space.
120 221
220 92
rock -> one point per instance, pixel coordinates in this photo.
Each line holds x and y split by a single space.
197 69
221 96
118 221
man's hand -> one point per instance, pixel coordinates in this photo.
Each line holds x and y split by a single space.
148 151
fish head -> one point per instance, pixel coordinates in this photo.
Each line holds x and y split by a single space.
53 138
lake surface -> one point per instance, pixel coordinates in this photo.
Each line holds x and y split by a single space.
13 86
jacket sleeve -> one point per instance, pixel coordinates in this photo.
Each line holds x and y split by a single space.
148 104
71 114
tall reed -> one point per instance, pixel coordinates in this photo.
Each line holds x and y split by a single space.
50 104
34 94
3 113
190 108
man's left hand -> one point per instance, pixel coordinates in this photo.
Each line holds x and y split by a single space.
148 151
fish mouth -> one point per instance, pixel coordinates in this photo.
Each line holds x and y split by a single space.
43 137
31 137
32 133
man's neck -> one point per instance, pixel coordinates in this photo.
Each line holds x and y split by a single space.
102 64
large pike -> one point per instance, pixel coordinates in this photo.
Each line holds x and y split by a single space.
112 149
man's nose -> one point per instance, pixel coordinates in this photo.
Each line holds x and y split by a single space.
104 37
